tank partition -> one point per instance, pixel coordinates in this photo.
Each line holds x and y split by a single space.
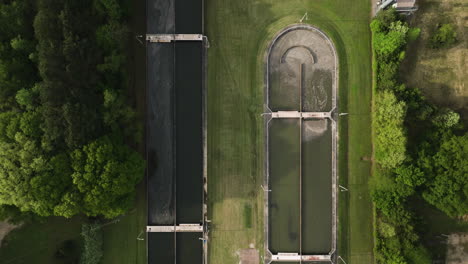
316 187
161 248
189 19
174 16
178 248
160 17
284 211
189 129
160 134
189 248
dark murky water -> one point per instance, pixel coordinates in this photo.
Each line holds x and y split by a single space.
174 131
188 140
285 177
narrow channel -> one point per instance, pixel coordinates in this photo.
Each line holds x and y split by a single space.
174 132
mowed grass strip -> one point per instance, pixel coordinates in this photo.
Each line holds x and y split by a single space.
125 237
239 33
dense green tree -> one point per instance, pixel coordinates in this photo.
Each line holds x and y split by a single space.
389 251
390 140
410 175
384 18
62 77
387 44
391 204
431 163
448 187
105 173
28 178
17 46
446 118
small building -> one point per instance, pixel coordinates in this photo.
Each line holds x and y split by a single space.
402 6
405 6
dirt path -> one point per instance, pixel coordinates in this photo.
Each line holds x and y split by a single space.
373 7
457 249
249 256
5 228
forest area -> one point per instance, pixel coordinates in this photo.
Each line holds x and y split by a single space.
420 150
66 127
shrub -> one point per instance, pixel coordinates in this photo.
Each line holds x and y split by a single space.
444 36
418 255
92 250
386 230
446 118
413 34
448 190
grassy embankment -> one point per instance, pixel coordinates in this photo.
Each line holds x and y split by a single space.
239 33
39 242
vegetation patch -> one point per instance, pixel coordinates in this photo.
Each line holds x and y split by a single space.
64 122
66 127
440 74
444 36
92 239
425 162
247 216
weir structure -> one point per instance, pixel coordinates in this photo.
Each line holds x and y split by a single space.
305 99
177 225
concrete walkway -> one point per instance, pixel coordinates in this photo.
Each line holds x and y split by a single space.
166 38
296 114
178 228
286 257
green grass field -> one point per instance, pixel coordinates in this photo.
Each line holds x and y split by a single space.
239 34
121 245
39 242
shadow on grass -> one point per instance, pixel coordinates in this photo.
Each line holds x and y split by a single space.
433 226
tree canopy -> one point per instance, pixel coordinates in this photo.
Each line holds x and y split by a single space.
390 137
448 171
105 174
65 122
420 149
